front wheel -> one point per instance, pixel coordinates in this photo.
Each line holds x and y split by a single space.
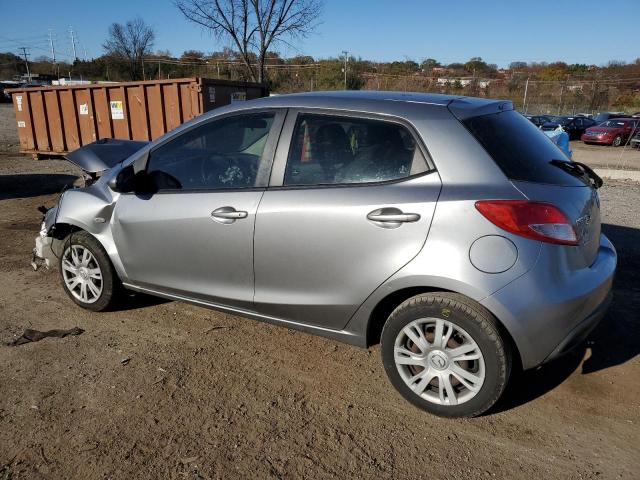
87 275
617 141
444 353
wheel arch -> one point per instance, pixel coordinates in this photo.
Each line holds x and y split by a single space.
381 311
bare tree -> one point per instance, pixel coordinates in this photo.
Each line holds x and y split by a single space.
130 42
254 26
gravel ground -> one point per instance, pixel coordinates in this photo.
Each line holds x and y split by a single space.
168 390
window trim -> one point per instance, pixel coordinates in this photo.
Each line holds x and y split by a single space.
266 161
276 181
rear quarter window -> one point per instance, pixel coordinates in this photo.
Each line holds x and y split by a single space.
519 148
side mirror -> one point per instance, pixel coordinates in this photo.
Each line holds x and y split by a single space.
124 181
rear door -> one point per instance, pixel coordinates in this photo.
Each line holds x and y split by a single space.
350 202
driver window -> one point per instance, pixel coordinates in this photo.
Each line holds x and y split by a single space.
220 154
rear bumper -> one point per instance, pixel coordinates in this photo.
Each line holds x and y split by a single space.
581 331
551 308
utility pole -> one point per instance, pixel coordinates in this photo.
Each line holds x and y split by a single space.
524 102
73 44
346 59
26 62
561 106
53 50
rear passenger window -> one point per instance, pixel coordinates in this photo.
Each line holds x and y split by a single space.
329 150
520 150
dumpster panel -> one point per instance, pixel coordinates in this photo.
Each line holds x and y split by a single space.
56 134
101 112
70 120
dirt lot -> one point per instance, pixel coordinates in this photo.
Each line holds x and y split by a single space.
602 156
210 395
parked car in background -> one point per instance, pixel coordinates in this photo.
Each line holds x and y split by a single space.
614 132
574 126
636 115
635 140
538 120
604 116
448 229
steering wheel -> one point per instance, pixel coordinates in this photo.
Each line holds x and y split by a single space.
212 167
225 169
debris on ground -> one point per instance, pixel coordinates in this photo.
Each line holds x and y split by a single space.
30 335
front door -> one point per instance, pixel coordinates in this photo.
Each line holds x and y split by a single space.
194 237
352 206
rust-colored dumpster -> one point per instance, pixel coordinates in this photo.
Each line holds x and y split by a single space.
56 120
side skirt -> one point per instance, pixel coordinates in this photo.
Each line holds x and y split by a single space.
345 336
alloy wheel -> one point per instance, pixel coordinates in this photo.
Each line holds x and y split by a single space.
439 361
81 273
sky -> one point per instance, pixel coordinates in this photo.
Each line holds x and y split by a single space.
499 31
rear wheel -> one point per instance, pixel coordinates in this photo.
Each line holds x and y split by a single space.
617 141
87 274
444 353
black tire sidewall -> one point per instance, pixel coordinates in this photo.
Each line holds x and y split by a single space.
109 278
618 139
481 330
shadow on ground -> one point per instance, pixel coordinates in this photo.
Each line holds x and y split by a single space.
33 185
615 341
135 301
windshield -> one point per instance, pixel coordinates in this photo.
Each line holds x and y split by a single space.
560 120
613 124
520 150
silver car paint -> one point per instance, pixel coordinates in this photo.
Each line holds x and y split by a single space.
432 253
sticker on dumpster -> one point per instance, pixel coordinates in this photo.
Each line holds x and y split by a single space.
212 95
84 109
19 102
21 124
117 113
238 97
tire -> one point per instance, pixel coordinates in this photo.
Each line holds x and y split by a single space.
470 324
77 268
617 141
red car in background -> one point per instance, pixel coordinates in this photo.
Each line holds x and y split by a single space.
616 131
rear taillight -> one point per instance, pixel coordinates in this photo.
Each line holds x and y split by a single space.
535 220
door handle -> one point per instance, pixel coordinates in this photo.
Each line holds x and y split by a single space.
227 215
391 217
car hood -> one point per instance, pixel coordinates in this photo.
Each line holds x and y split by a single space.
103 154
602 129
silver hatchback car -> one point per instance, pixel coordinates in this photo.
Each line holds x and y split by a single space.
449 229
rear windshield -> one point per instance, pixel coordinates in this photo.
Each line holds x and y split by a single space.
520 150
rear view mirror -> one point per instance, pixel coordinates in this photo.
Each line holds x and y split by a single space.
124 181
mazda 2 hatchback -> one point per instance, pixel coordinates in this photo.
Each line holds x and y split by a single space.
448 229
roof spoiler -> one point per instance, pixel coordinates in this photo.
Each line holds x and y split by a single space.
467 107
99 156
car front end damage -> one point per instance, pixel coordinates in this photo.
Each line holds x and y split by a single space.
81 208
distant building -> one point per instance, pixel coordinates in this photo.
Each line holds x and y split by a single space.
463 81
70 81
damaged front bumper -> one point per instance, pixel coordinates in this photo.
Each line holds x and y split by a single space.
43 253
